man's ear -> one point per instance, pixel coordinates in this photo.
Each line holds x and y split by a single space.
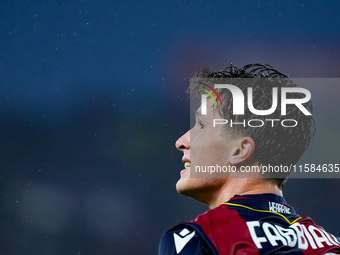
242 150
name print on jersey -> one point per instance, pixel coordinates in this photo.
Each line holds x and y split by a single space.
279 208
266 234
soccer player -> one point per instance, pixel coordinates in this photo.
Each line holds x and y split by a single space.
248 214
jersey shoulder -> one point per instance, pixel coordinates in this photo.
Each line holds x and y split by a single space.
201 235
187 238
226 229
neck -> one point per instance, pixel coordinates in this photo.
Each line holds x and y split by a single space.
243 186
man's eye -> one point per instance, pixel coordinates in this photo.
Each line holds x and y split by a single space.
201 125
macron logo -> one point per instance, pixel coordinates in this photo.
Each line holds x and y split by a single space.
182 239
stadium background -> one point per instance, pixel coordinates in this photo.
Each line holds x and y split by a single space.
91 104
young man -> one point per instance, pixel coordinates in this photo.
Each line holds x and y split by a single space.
248 214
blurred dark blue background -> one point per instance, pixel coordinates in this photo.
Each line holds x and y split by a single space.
91 104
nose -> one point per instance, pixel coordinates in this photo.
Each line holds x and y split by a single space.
183 143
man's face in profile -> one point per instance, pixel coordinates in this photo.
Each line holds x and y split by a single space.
203 145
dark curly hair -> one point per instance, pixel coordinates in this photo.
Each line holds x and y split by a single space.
275 146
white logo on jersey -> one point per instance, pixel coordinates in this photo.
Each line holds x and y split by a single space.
182 239
296 234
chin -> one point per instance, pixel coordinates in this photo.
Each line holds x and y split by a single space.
199 189
189 187
181 186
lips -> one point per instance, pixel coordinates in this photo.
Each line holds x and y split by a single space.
186 164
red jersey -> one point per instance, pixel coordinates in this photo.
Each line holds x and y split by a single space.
251 224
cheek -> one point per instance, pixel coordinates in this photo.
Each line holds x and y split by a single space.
200 141
195 136
210 153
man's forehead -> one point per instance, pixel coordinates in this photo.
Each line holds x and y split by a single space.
210 111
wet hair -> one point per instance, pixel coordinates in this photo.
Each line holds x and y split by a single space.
277 145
